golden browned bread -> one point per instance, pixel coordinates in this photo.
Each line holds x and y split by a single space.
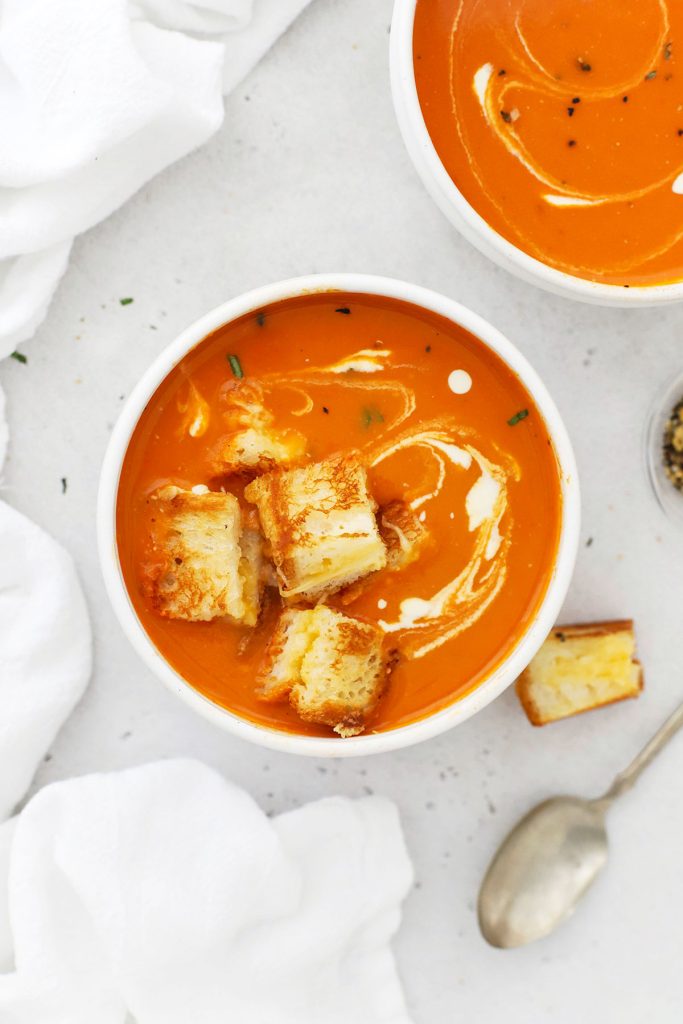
579 668
204 565
319 521
252 445
256 450
329 666
404 536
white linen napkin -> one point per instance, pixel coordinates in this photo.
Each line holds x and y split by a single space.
45 649
164 893
96 97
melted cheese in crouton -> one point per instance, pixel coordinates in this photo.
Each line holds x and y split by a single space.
328 665
579 668
204 565
320 523
404 537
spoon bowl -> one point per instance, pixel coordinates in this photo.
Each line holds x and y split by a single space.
542 870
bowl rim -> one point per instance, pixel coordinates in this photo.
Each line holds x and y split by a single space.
432 724
464 217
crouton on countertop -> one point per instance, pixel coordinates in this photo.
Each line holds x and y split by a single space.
204 565
579 668
319 521
329 666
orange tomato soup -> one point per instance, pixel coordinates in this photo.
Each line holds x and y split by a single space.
439 421
561 123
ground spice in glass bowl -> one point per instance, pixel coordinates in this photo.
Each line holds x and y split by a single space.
673 446
664 449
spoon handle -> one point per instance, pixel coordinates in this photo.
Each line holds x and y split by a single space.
627 778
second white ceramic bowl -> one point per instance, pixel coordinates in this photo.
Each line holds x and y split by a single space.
451 201
522 652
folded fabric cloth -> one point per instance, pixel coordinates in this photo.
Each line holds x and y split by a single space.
45 649
162 894
95 99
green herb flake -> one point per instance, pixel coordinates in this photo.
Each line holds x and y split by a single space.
64 484
344 310
20 357
370 415
126 302
507 116
236 366
650 75
667 51
260 319
584 65
518 417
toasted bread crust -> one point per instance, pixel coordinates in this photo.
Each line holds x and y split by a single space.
333 669
606 674
199 569
319 522
404 536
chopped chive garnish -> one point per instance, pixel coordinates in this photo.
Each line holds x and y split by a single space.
518 417
507 116
236 366
64 485
260 319
326 410
370 415
667 51
344 310
20 357
125 302
650 75
584 65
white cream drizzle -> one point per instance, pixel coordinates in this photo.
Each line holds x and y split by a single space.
366 360
428 622
460 382
480 83
677 186
196 413
555 200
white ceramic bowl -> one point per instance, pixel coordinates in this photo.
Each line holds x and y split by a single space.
436 723
451 201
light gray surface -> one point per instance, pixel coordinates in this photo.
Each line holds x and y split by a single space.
309 174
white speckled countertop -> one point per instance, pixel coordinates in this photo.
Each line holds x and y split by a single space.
309 174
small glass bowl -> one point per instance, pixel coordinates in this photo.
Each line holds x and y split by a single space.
669 498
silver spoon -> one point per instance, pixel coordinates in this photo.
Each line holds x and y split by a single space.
553 856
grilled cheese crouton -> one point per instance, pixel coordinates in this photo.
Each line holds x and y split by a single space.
253 445
257 450
403 534
204 566
579 668
328 665
404 537
320 524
